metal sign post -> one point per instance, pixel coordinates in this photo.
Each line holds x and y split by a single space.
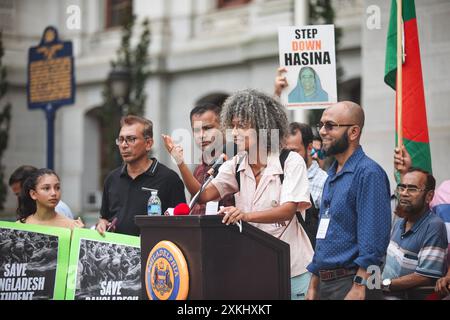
51 81
50 115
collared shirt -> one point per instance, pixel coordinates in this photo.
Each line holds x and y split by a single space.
124 198
316 178
271 193
421 250
358 202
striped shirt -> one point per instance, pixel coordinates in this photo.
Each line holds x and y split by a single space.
421 250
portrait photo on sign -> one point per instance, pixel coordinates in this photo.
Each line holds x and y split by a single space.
308 88
308 57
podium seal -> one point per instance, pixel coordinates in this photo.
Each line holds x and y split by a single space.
166 273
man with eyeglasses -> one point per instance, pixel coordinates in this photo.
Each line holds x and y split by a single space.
417 252
440 205
124 193
355 213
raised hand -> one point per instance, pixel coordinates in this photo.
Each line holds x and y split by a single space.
280 81
402 160
175 150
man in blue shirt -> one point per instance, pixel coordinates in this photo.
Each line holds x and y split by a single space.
417 252
355 212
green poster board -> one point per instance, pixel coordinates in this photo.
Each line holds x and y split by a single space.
104 268
33 261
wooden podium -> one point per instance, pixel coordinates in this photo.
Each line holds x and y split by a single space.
223 263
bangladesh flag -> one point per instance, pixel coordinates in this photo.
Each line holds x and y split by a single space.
414 119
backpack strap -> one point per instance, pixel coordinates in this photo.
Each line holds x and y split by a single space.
283 156
237 173
311 222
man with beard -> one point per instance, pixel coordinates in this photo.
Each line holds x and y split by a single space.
417 252
440 205
355 211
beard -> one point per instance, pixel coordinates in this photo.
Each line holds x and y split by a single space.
411 208
338 147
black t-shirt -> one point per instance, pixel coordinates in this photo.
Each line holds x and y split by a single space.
124 198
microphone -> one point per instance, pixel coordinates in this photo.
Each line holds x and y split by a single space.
211 173
216 165
181 209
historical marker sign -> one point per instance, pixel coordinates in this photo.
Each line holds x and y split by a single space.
50 72
51 81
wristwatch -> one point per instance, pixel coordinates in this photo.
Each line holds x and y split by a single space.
386 285
359 281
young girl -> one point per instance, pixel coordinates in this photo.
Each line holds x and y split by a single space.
37 201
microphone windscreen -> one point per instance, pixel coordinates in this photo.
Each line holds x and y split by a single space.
181 209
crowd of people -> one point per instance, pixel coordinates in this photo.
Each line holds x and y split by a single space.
337 220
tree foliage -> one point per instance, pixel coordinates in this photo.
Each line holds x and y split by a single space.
5 121
136 60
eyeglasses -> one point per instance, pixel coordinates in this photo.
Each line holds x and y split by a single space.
330 125
409 188
130 140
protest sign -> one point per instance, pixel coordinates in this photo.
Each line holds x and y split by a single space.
308 54
104 268
33 261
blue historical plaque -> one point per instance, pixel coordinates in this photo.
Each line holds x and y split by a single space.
51 80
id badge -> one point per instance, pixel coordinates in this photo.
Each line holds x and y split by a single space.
323 226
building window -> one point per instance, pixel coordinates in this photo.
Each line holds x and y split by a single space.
231 3
118 12
7 12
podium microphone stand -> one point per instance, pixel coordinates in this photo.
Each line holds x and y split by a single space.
197 195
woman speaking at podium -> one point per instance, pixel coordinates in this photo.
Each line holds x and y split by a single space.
268 185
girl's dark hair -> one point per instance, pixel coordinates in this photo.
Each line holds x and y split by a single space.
27 206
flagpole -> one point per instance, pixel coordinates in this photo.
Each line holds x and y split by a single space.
399 85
